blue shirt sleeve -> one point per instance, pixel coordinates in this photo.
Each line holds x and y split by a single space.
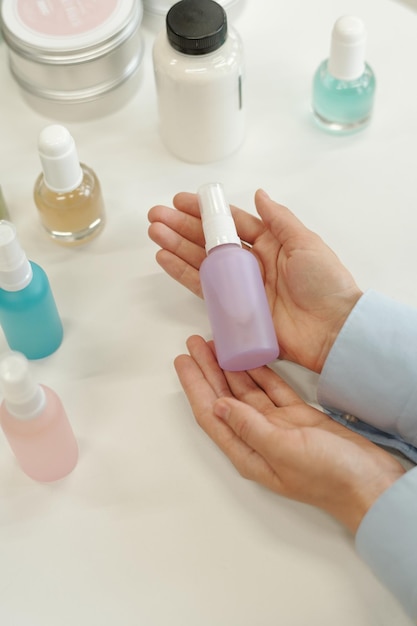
371 374
371 370
386 540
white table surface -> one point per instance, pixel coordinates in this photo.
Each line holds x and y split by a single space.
154 526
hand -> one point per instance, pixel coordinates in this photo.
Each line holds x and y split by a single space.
310 292
279 441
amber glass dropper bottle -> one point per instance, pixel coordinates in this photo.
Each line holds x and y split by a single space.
67 193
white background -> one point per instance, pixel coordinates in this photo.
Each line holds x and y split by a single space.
154 526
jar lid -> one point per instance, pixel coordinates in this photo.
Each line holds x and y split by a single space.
57 26
196 26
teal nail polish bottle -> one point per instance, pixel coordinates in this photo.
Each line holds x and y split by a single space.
28 313
344 84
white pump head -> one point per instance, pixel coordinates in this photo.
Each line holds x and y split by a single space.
348 47
23 397
59 158
15 269
218 224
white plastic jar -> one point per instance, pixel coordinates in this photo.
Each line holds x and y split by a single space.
161 7
198 65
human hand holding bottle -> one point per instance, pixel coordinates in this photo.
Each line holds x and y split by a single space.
274 438
310 292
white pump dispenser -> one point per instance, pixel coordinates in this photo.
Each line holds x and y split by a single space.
22 396
35 423
237 306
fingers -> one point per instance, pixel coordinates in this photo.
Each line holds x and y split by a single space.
203 354
180 271
171 240
182 246
259 436
199 393
248 226
187 203
270 395
185 221
274 387
245 389
248 424
202 396
260 388
202 388
186 226
290 411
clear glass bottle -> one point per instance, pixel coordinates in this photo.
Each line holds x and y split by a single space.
234 293
344 84
67 193
34 422
198 66
4 211
28 313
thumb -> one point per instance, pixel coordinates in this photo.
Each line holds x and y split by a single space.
283 224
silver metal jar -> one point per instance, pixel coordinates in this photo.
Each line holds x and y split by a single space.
74 60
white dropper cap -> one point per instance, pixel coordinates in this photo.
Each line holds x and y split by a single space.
218 224
348 47
15 269
59 158
23 398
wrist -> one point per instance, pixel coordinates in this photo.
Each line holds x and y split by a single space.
364 495
343 311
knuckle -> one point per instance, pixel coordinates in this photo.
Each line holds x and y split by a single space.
243 429
246 466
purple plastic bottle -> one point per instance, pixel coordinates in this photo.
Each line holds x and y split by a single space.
237 306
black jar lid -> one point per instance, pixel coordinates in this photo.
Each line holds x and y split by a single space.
196 26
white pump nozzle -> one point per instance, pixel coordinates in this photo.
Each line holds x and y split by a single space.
15 269
218 224
24 398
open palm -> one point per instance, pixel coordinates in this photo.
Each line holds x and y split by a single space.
279 441
310 292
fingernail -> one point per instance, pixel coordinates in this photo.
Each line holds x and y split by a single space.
221 409
263 193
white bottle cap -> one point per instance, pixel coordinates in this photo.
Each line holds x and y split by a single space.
348 47
218 224
23 397
59 158
15 269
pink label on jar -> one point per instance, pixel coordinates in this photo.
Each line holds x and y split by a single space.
64 17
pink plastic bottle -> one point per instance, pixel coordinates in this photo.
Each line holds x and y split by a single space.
35 423
237 306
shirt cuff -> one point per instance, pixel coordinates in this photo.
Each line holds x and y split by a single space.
371 370
386 540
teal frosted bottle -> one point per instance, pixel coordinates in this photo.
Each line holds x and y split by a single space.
28 314
344 84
